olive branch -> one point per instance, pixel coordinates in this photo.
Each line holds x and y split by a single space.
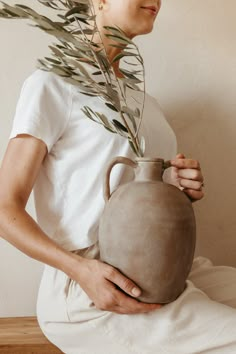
78 58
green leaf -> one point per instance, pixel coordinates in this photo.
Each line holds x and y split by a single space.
76 50
116 31
111 106
60 71
77 10
142 145
17 11
119 125
97 73
121 55
135 113
133 147
117 38
56 51
109 129
78 65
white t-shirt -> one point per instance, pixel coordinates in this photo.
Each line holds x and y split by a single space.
69 189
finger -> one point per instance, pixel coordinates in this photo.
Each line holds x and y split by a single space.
189 173
190 184
185 163
115 300
194 195
123 311
129 305
180 156
123 282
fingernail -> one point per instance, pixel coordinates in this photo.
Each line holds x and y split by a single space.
136 291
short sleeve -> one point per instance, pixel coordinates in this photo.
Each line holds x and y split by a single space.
43 107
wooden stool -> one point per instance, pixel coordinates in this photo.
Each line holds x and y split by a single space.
22 335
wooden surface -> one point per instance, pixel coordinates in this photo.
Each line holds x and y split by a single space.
22 335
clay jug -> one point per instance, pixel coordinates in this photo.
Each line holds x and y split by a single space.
148 231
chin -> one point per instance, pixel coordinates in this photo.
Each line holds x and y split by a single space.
140 31
145 30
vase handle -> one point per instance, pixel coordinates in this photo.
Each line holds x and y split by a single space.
115 161
166 165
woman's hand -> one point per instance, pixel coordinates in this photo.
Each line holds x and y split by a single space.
187 175
109 289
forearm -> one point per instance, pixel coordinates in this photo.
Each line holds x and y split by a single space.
18 228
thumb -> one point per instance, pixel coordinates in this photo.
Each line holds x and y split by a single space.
124 283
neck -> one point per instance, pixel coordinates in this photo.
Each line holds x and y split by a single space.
111 52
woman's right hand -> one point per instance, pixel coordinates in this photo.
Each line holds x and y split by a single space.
109 289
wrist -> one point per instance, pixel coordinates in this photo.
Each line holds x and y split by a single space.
70 263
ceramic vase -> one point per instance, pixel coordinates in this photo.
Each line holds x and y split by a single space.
147 230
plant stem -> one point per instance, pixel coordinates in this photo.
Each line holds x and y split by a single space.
133 138
89 44
144 96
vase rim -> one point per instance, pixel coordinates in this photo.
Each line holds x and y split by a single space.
148 159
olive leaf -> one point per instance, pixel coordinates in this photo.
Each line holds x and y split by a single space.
85 64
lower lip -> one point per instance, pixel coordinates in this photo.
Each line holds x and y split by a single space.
150 11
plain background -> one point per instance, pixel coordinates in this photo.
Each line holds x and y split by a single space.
191 70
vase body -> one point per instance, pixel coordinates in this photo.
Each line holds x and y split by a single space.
147 231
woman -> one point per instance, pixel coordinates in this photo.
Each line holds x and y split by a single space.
62 154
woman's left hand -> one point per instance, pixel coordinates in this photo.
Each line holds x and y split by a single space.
187 175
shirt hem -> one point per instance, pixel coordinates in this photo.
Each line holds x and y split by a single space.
73 246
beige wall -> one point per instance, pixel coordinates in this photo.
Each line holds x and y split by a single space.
191 70
21 45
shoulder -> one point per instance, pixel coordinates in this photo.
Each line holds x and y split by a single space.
43 89
44 106
42 80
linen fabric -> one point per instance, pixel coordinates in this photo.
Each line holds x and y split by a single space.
202 320
69 190
69 202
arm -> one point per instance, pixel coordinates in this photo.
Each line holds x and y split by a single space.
18 173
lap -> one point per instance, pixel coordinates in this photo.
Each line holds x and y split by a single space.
218 282
194 323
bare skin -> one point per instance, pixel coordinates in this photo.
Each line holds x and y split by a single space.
187 175
18 173
130 15
20 168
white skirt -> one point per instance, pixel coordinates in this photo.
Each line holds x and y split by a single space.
201 321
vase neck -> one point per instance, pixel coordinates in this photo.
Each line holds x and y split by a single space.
149 169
